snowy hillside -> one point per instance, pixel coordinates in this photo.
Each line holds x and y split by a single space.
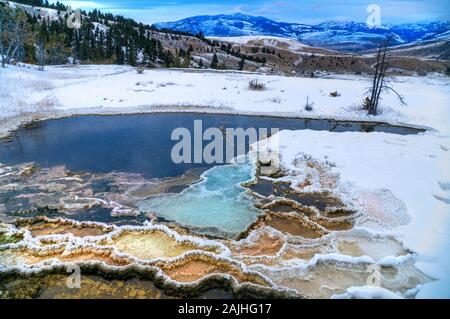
39 12
427 49
337 35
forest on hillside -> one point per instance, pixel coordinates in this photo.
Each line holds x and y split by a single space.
101 38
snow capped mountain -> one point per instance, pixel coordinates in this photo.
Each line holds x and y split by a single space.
337 35
235 25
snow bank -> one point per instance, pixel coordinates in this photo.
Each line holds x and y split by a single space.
367 292
119 87
414 168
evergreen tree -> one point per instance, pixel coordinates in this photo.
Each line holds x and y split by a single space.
215 62
131 58
120 41
241 64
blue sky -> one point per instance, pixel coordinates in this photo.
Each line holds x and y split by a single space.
301 11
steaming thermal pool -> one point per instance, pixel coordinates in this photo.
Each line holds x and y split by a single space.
118 171
121 160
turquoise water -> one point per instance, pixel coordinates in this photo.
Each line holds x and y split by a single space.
142 144
216 205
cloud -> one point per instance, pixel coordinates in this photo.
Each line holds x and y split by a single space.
238 8
274 7
173 12
75 4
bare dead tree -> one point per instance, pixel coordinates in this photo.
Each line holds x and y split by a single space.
9 29
309 105
14 33
2 23
16 40
41 55
380 83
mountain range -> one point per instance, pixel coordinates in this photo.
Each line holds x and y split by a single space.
336 35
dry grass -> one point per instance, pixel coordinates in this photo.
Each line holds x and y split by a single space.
256 85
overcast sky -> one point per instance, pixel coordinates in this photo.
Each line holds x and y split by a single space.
301 11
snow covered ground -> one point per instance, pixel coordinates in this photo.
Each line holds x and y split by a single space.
414 169
120 88
290 44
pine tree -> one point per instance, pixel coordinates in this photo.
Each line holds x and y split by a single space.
215 62
241 64
131 59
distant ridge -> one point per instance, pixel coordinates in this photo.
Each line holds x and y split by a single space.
336 35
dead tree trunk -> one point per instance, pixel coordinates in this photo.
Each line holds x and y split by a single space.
379 83
18 42
13 36
374 84
378 80
2 52
2 48
41 55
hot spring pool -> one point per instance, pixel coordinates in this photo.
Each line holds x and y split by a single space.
141 145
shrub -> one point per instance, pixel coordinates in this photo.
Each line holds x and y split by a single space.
140 69
366 103
255 85
422 73
335 94
308 105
